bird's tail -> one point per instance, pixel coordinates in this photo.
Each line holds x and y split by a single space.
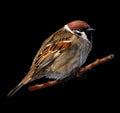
24 81
14 90
21 84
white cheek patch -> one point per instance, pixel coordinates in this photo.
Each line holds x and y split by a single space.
84 36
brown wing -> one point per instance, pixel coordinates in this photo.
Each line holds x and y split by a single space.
51 46
50 54
49 51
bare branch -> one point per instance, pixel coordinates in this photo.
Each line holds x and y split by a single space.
78 74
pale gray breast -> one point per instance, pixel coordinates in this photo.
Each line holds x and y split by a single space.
73 57
84 48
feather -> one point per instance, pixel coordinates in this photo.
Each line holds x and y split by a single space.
14 90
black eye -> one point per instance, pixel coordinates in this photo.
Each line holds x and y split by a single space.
78 32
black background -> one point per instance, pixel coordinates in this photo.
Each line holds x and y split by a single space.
23 29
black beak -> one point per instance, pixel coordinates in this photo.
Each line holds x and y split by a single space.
89 30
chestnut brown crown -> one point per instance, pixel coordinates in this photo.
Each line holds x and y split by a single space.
78 24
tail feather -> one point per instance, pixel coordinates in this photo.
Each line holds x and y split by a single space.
14 90
25 80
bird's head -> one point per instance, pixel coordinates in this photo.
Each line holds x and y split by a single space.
80 28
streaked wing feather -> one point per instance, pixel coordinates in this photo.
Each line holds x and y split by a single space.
51 45
54 51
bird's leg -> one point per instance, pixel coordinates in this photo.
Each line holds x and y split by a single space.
76 72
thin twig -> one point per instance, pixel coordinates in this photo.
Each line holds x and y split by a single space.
79 73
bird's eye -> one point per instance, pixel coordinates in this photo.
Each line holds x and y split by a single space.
78 32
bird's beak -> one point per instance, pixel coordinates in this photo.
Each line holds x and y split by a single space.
90 30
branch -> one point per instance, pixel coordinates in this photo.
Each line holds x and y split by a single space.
78 74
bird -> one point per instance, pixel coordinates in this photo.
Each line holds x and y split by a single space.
60 54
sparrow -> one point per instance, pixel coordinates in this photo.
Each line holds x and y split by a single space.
64 51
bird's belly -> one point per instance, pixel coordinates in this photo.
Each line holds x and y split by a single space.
64 64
